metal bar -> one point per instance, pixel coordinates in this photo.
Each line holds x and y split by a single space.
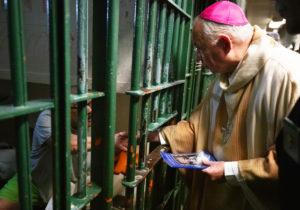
153 89
18 75
166 63
149 186
152 159
110 102
134 100
10 111
146 101
107 36
86 96
178 9
92 191
99 153
160 121
197 90
159 59
179 70
60 80
82 31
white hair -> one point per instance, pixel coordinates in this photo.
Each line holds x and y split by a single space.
212 31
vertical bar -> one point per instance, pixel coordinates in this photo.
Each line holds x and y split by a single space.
174 57
159 59
166 64
134 100
99 144
18 76
60 68
188 59
82 32
146 99
107 145
149 187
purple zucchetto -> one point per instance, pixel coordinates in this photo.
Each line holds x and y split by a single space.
225 12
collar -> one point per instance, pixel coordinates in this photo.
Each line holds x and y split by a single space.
252 62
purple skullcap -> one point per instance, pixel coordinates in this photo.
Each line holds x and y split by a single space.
225 12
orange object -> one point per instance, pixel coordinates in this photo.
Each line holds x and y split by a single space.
121 162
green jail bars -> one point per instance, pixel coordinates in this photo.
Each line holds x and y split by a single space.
102 95
165 96
165 88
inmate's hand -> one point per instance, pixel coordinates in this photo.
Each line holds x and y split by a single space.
215 170
121 142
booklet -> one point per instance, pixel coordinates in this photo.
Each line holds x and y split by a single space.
187 160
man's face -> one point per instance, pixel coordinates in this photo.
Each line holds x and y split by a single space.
210 55
290 10
74 115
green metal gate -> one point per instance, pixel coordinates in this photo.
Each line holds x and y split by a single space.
103 97
169 91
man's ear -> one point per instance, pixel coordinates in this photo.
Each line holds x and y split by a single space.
225 43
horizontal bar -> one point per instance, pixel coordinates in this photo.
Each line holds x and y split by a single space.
83 97
207 73
176 7
10 111
92 191
188 75
161 121
152 89
184 115
151 160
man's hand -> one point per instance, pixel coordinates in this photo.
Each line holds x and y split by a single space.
153 136
215 170
121 142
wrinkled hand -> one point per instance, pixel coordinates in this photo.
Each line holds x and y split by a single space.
215 170
121 142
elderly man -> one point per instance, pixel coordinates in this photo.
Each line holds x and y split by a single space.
41 160
257 85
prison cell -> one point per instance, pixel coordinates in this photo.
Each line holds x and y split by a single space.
165 84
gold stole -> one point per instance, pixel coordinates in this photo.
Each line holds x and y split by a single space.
236 147
206 194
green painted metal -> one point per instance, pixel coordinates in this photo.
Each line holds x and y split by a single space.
196 89
9 111
110 29
60 77
178 8
180 96
159 60
166 63
134 100
149 187
161 120
86 96
17 61
92 191
207 78
153 89
82 31
99 144
189 59
146 101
